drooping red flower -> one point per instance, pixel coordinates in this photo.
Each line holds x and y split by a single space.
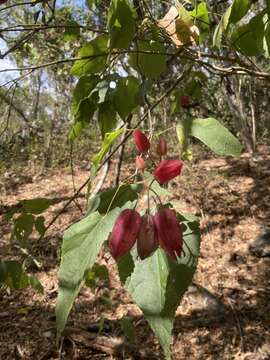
3 1
169 232
141 142
161 149
124 233
147 241
140 163
185 101
167 170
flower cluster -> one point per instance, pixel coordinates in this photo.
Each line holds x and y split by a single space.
166 170
162 229
150 232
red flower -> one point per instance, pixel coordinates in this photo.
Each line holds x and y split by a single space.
124 233
169 232
185 101
161 147
3 1
140 163
141 142
167 170
147 241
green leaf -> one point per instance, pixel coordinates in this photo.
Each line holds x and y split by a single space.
128 89
233 14
72 31
239 10
185 15
104 88
157 189
35 283
181 136
121 24
114 197
39 225
101 272
97 53
35 206
14 210
109 139
98 272
267 40
249 38
162 327
149 65
182 132
76 129
216 137
160 191
84 87
147 284
221 28
179 279
200 17
158 283
106 117
84 112
13 275
81 245
125 267
23 227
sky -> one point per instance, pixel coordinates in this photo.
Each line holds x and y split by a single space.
7 64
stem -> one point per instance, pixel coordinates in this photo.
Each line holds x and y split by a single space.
156 196
148 195
151 158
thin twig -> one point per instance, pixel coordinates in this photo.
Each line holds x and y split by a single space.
121 155
31 3
242 69
9 111
90 57
29 36
19 43
100 183
27 27
16 80
73 177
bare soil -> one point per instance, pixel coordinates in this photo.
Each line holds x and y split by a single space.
233 199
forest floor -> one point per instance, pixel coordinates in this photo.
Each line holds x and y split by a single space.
233 199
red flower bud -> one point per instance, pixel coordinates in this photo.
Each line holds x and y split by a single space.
161 147
124 233
141 142
185 101
169 232
167 170
140 163
147 241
